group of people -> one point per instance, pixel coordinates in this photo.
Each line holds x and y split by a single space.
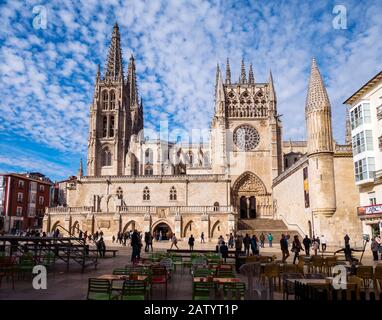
376 247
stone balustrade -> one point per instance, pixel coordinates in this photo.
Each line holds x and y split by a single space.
68 210
176 209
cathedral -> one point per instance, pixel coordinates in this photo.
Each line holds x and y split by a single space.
245 178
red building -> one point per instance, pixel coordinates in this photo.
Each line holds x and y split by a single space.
23 199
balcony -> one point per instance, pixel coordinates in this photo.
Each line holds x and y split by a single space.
370 211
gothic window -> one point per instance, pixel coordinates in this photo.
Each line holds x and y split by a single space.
173 194
105 98
104 126
112 100
216 206
149 156
106 157
119 193
190 157
111 130
146 194
149 170
246 138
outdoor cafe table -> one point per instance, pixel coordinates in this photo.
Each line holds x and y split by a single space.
217 280
116 277
313 282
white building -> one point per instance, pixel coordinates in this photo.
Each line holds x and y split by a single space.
366 124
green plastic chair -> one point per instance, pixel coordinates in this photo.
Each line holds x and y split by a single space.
177 261
49 260
224 273
134 290
202 272
120 271
99 289
237 290
202 290
25 265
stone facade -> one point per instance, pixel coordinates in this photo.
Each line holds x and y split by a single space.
207 187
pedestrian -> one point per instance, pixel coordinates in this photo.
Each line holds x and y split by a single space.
230 241
147 239
254 244
101 247
160 235
151 241
239 243
307 243
347 240
191 241
135 243
202 238
113 238
247 244
315 246
174 242
270 239
318 242
323 243
262 240
284 248
80 235
224 251
85 235
296 248
374 249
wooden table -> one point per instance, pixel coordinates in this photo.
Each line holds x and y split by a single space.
313 282
217 280
116 277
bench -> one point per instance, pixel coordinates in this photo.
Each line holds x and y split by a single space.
113 251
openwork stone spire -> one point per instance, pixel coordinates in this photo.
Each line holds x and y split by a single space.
80 169
228 73
317 97
132 79
348 139
251 77
243 77
114 67
272 92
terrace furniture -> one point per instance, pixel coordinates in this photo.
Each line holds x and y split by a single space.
203 272
203 290
365 273
99 289
289 268
133 290
330 262
224 273
178 261
234 290
7 268
167 263
314 276
378 277
288 286
159 276
271 272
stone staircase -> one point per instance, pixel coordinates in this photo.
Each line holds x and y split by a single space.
257 226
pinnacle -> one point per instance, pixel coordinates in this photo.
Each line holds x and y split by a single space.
317 97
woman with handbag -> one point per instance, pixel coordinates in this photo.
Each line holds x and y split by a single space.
296 248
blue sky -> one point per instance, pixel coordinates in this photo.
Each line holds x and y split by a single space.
47 75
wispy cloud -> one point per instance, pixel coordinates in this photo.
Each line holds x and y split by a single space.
47 76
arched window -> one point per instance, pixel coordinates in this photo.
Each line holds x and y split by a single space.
190 158
106 157
111 129
105 98
173 196
104 127
119 193
149 156
112 100
149 170
216 206
146 194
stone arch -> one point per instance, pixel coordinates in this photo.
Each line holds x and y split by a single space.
130 225
171 229
75 229
245 191
55 225
190 228
216 228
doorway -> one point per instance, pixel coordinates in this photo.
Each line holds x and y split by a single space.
247 207
162 231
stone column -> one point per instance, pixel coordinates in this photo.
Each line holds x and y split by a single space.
248 206
147 222
116 223
178 225
231 223
204 225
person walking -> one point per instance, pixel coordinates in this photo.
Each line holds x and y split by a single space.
262 240
270 239
146 241
323 243
202 238
254 244
101 247
113 238
174 242
315 246
151 238
247 244
296 248
307 243
230 241
191 241
284 248
224 251
379 241
374 249
318 242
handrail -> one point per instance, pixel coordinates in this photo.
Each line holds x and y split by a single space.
292 225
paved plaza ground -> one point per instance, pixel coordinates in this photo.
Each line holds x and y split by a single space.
73 284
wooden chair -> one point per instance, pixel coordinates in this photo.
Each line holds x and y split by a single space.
365 273
316 264
288 287
301 264
378 278
289 268
330 262
271 272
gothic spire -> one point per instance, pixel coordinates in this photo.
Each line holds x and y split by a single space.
251 77
228 73
80 170
317 97
243 77
114 67
272 92
141 115
132 80
219 94
98 76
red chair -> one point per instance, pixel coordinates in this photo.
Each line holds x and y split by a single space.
159 276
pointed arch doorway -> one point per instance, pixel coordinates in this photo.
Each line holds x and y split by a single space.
245 193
